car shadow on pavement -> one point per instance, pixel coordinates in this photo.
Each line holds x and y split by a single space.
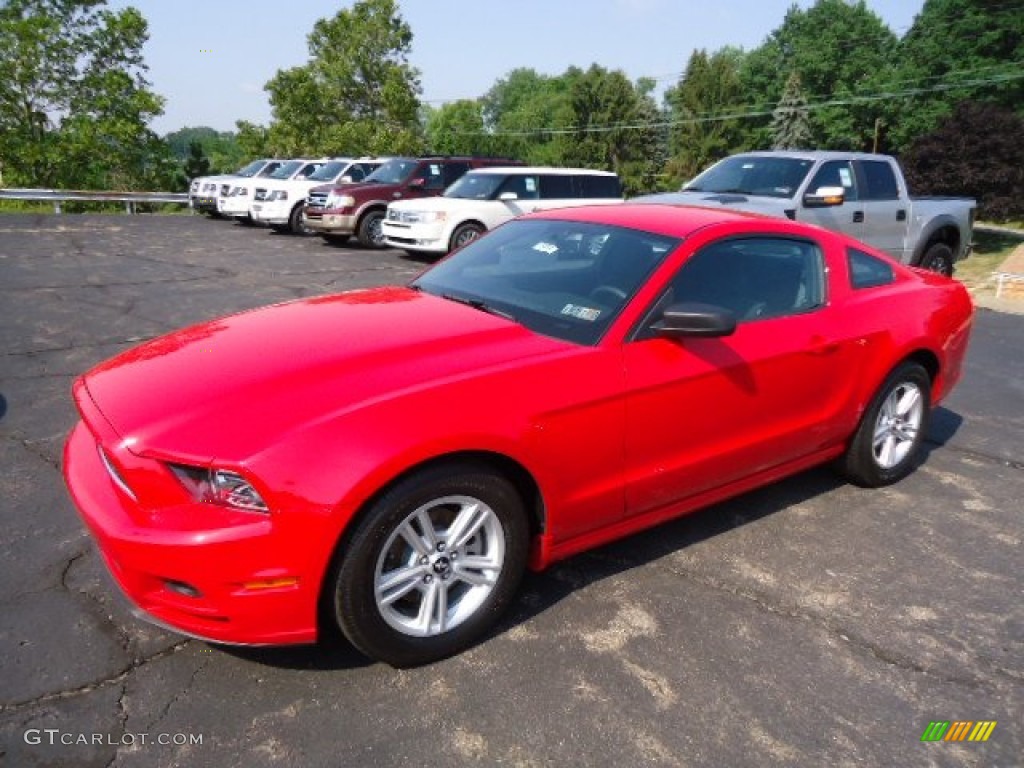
944 425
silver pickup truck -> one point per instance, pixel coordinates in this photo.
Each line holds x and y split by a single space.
862 195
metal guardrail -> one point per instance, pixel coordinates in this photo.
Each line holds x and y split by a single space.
58 196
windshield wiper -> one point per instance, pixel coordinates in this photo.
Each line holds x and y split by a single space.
478 304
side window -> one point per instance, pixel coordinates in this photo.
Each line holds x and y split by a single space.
522 186
556 187
454 171
599 186
879 181
755 277
835 173
356 172
867 271
432 175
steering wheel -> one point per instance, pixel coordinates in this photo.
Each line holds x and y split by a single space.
608 295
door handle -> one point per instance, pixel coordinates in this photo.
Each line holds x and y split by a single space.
858 216
821 346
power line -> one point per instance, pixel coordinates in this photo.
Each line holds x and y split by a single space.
712 118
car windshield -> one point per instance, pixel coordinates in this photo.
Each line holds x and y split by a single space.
286 170
564 279
392 172
753 175
328 171
251 169
475 186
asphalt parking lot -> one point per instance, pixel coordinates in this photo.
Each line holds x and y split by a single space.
810 623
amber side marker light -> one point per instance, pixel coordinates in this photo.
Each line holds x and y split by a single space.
289 581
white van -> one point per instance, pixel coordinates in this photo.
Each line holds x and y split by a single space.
487 197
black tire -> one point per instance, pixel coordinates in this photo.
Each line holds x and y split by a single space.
295 225
384 629
336 239
464 233
887 444
369 231
938 258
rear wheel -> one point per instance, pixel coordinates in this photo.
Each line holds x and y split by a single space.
888 440
432 565
938 258
370 233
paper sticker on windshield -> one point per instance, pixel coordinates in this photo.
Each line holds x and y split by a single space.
547 248
845 178
583 313
531 184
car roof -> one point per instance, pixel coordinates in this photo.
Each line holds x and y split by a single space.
522 169
813 154
662 219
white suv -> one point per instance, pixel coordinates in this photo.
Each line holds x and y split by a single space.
487 197
279 203
205 191
244 191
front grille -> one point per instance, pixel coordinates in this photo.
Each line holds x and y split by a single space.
317 200
224 189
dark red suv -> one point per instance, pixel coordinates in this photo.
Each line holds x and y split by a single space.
336 212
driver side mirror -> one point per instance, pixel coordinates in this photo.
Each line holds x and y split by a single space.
693 319
824 197
417 183
506 196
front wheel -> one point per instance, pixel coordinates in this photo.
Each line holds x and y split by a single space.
888 440
465 233
938 258
370 233
295 225
432 565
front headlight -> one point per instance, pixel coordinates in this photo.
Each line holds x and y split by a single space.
239 191
219 486
340 201
278 194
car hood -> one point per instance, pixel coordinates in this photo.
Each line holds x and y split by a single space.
229 388
771 206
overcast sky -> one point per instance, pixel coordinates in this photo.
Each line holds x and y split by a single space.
210 58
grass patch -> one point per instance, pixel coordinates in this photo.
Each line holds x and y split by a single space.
990 251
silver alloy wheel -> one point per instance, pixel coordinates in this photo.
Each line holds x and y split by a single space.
439 565
376 230
898 425
467 235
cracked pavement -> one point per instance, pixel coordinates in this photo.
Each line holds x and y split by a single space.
808 623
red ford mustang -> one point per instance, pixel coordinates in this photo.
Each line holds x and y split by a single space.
388 461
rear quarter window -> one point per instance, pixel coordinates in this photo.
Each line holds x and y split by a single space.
598 186
867 271
879 181
553 186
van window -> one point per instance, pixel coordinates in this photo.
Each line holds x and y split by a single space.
522 186
599 186
556 186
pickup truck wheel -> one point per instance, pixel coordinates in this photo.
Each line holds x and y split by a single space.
887 442
431 566
370 233
295 225
938 258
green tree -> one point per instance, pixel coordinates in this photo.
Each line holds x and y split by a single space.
957 50
457 128
845 55
253 141
197 163
74 102
698 109
791 125
610 118
527 111
221 147
358 93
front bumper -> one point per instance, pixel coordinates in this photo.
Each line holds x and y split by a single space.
330 223
235 205
243 572
428 238
270 213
